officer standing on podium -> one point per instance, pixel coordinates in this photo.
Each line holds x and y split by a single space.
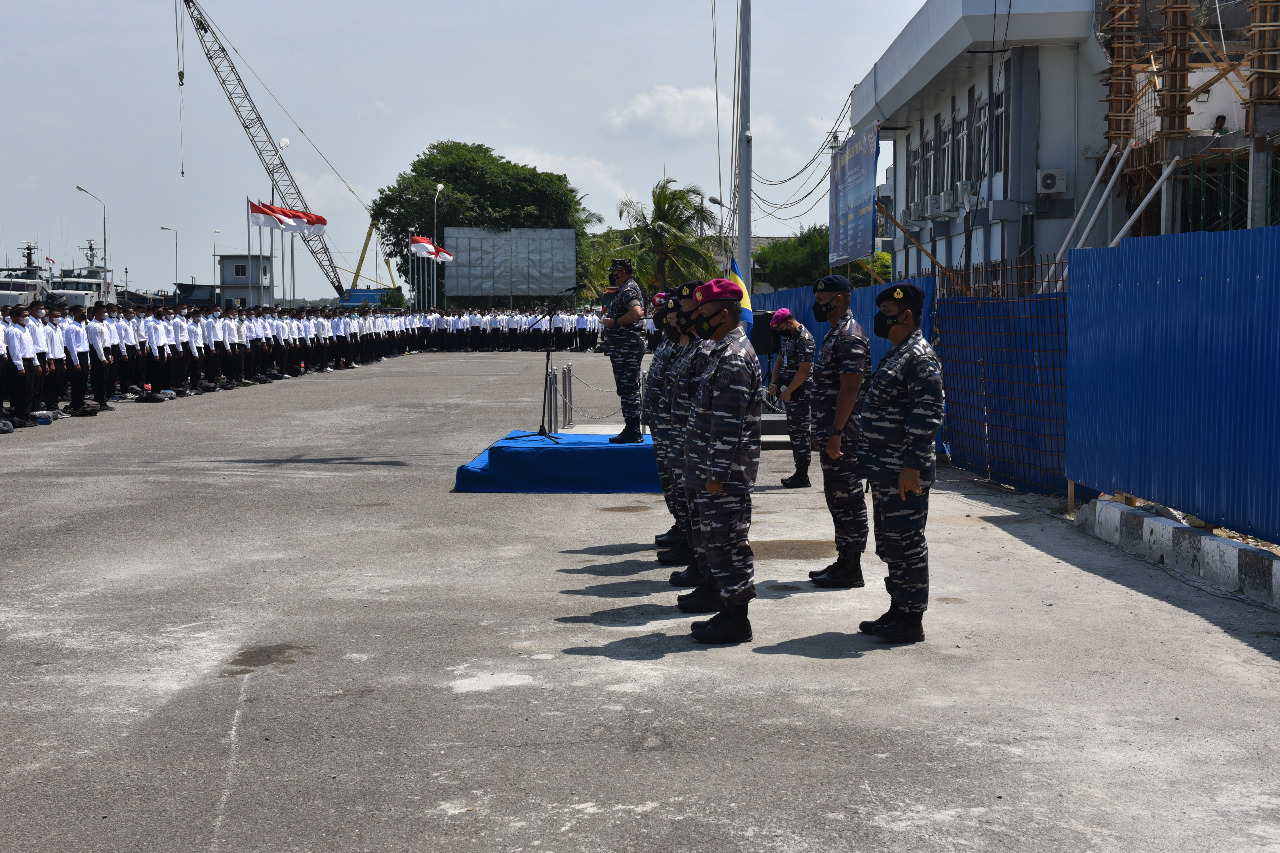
624 344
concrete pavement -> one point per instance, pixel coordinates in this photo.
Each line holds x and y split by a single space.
260 620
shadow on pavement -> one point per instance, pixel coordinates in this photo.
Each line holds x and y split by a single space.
1254 626
648 647
630 616
614 550
831 645
622 589
614 570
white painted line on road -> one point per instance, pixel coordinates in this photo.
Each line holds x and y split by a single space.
233 737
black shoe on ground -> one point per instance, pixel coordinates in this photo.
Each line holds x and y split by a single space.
704 599
730 625
689 576
906 628
845 573
819 572
671 537
676 554
631 433
106 407
798 480
869 627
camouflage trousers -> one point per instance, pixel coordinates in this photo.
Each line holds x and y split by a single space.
721 524
800 428
900 543
845 501
665 476
625 356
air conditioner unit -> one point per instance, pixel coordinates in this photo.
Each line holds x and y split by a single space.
1051 181
965 193
884 191
948 202
914 214
888 175
933 207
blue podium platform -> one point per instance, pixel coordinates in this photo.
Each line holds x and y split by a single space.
574 464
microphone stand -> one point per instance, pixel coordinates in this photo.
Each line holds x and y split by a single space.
552 306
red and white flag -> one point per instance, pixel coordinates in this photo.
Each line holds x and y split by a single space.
422 247
283 219
442 256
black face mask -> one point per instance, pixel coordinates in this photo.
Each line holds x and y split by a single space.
882 323
821 311
671 333
704 328
684 322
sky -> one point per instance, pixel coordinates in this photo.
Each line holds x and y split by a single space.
615 95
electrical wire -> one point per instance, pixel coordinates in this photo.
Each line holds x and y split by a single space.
715 66
267 88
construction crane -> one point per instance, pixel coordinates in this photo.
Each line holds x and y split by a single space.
263 142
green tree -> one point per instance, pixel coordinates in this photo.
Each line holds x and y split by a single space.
481 190
392 297
669 236
801 260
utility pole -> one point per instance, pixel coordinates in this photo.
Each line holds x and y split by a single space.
744 146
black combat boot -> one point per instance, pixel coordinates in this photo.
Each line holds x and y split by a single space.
671 537
891 614
681 552
906 628
631 433
704 599
689 576
798 480
844 573
730 625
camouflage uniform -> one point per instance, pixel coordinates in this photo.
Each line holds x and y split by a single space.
723 444
797 349
845 349
655 414
682 375
900 419
625 347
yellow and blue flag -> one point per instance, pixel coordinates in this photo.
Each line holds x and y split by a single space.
735 276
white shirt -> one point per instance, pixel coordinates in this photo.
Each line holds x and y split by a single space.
18 340
100 339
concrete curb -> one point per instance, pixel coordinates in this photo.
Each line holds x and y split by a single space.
1223 563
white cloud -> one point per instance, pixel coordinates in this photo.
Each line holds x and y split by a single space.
671 112
599 180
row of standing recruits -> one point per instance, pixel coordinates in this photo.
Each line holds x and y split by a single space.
702 403
875 435
511 331
114 352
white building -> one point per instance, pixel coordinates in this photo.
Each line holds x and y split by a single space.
993 122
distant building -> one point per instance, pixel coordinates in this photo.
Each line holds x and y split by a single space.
243 281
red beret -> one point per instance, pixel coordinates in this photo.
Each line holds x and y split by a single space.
718 289
779 317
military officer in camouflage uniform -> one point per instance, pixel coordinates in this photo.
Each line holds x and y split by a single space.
791 373
722 457
901 416
839 373
652 415
624 344
686 368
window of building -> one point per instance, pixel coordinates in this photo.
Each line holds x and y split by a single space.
961 165
929 167
242 271
980 149
914 183
946 168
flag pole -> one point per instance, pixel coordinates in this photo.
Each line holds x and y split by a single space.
248 242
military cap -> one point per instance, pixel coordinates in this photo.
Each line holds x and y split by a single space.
832 284
658 299
687 289
716 290
621 264
779 317
907 295
673 304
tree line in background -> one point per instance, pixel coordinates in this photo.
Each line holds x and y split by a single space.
671 236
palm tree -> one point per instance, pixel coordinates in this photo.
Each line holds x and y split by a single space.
670 236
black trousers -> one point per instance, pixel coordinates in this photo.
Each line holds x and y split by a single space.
98 375
55 380
79 380
20 385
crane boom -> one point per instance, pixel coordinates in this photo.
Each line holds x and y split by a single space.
263 142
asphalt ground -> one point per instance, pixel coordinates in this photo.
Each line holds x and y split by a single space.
261 621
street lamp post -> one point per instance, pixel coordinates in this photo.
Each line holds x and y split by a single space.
175 252
213 288
104 232
435 264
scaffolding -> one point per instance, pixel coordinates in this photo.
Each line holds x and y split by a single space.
1263 59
